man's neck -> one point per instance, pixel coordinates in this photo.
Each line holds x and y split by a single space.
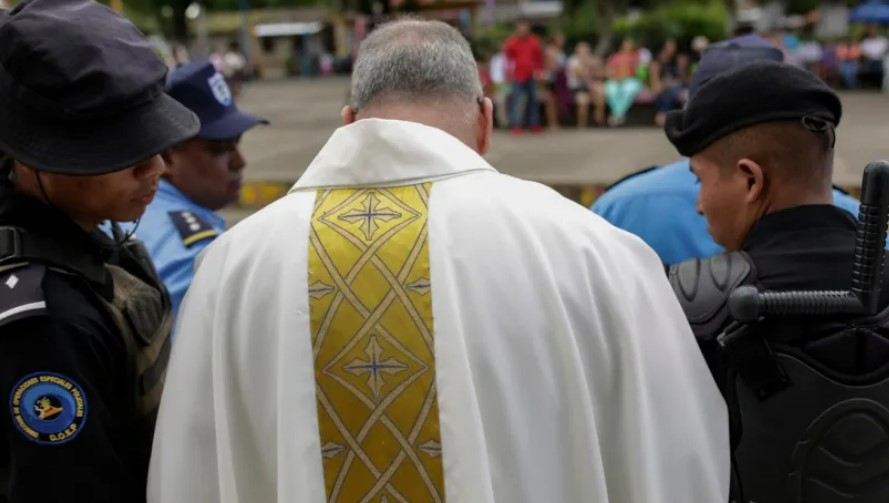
788 200
428 116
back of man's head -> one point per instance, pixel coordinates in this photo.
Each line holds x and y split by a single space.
415 63
788 152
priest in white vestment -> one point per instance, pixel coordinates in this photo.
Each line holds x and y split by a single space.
409 325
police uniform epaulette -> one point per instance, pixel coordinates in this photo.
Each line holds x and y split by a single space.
21 292
631 176
192 228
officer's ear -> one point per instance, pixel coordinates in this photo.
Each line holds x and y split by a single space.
754 178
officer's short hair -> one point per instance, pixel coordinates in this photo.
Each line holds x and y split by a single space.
787 149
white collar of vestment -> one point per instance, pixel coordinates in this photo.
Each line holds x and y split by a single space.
382 152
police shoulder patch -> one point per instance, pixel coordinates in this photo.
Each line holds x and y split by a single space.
48 408
192 228
21 292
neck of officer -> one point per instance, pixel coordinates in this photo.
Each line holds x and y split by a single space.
783 196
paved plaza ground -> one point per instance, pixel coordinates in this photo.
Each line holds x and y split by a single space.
305 112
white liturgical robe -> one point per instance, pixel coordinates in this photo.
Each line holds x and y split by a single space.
409 325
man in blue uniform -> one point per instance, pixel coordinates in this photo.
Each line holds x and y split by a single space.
658 204
203 175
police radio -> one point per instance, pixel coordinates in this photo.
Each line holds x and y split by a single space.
748 305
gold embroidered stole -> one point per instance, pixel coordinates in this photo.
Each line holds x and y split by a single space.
371 312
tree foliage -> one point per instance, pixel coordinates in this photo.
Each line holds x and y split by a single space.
178 22
602 15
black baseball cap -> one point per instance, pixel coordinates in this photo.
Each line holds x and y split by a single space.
81 90
203 90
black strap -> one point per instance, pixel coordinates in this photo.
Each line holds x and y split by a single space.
750 354
10 243
18 244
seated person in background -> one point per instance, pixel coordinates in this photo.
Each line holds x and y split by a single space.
873 50
659 205
553 65
849 54
669 76
622 85
761 142
585 81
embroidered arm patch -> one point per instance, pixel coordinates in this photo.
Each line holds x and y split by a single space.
48 408
191 227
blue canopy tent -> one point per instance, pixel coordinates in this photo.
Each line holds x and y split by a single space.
874 11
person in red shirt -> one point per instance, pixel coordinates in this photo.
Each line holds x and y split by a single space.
524 51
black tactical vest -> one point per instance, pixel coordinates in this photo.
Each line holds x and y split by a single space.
139 307
809 410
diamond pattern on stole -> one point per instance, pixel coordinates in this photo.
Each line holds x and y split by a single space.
371 315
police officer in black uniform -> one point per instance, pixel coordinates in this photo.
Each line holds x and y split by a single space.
761 141
84 321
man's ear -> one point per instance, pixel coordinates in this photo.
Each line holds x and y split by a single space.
485 125
754 177
348 115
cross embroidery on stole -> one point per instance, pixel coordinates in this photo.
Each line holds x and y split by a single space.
372 338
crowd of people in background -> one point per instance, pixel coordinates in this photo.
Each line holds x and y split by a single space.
568 87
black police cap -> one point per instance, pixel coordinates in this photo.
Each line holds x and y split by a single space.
755 93
82 90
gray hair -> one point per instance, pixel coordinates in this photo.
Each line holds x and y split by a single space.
415 61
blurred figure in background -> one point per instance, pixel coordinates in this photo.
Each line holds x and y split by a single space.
585 74
849 54
669 77
622 85
525 54
554 68
499 70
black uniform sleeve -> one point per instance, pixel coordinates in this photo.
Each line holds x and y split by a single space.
64 414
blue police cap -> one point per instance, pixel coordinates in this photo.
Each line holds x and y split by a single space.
730 54
204 91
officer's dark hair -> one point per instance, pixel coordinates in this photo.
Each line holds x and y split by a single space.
788 150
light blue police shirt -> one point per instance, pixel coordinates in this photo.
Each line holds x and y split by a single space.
175 229
659 206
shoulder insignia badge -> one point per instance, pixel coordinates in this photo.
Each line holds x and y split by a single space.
191 227
21 292
48 408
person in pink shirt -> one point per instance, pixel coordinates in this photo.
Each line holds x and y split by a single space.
622 85
524 51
